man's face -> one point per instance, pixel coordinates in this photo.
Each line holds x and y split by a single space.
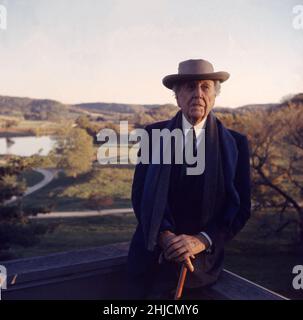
196 99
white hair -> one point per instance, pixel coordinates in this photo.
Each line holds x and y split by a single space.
217 87
217 83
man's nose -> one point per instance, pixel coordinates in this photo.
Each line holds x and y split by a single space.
198 92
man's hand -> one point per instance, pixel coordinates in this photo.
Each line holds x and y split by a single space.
181 247
164 241
164 238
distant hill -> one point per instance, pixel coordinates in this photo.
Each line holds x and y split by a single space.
296 99
109 107
51 110
257 107
114 107
34 109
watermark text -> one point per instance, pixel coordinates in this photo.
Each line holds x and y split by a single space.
156 147
297 22
3 17
297 281
3 279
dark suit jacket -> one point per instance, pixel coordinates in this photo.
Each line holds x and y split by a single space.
141 262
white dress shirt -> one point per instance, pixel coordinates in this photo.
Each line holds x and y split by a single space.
199 129
200 132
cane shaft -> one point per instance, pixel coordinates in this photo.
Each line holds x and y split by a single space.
181 281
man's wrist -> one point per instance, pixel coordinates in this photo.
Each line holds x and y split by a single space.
207 238
204 240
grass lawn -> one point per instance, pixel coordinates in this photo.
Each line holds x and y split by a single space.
266 258
272 270
73 194
80 233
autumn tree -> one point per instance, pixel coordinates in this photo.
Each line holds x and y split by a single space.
15 226
76 152
277 162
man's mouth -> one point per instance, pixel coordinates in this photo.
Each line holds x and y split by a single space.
197 105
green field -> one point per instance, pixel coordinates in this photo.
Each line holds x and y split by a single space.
74 194
264 257
24 127
80 233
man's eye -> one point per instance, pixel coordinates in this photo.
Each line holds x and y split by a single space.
190 86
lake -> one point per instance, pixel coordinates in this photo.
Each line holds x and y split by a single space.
27 146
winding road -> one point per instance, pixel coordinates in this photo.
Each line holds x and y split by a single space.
48 174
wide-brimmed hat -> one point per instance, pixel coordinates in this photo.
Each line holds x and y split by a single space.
194 69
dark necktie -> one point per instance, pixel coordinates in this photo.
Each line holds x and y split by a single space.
191 146
194 142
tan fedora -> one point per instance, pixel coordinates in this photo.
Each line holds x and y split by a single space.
194 69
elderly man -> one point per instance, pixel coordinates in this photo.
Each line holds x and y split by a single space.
182 217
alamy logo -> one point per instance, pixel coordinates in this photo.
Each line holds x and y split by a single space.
3 17
3 279
297 282
297 22
157 147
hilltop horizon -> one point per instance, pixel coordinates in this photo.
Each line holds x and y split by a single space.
118 103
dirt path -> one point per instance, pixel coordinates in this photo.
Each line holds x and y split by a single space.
79 214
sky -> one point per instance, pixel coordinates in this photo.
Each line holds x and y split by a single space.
119 50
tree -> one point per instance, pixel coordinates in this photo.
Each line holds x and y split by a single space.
142 119
15 227
92 129
83 122
75 149
276 147
277 162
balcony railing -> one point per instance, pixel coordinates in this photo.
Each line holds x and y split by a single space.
100 273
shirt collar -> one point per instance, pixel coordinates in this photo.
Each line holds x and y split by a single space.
186 125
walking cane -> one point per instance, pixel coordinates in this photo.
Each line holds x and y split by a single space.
185 266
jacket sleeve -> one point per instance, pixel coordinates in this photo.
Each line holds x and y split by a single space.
218 232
